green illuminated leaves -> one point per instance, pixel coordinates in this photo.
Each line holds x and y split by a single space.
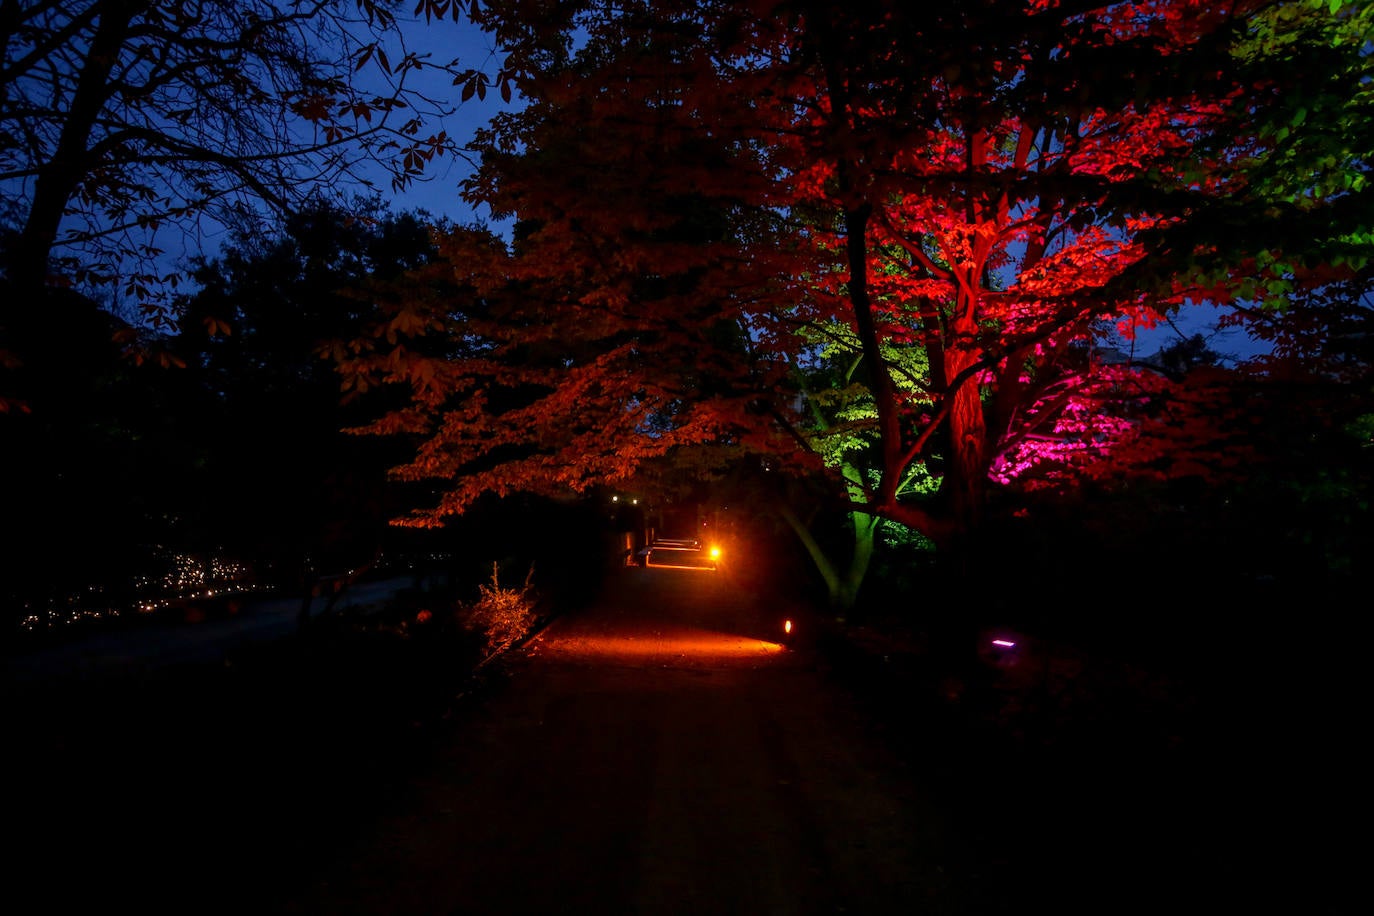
1319 146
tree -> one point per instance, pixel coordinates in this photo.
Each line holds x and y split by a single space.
709 190
278 484
124 120
87 467
840 431
231 447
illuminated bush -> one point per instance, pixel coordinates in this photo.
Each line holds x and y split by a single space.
502 615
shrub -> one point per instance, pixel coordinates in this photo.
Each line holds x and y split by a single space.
502 615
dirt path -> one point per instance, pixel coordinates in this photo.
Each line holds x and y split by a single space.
653 755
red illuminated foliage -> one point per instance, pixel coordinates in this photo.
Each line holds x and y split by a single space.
871 240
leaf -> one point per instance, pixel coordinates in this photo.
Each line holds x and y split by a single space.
216 327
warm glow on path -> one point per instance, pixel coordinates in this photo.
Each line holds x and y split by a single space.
651 752
676 642
663 615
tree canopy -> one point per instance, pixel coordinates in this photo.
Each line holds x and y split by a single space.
277 483
126 124
948 208
231 447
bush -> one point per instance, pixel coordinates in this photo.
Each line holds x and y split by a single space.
502 615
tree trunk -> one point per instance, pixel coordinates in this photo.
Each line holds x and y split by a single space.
865 539
60 176
842 587
965 479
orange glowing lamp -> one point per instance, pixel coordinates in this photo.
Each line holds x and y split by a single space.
715 553
787 627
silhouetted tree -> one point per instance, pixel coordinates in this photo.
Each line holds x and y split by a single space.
123 121
280 483
86 468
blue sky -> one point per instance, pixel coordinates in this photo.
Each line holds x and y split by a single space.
443 41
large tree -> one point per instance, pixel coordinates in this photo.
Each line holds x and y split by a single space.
716 198
127 124
229 449
86 467
277 484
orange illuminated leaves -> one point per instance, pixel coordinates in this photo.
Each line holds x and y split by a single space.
216 326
